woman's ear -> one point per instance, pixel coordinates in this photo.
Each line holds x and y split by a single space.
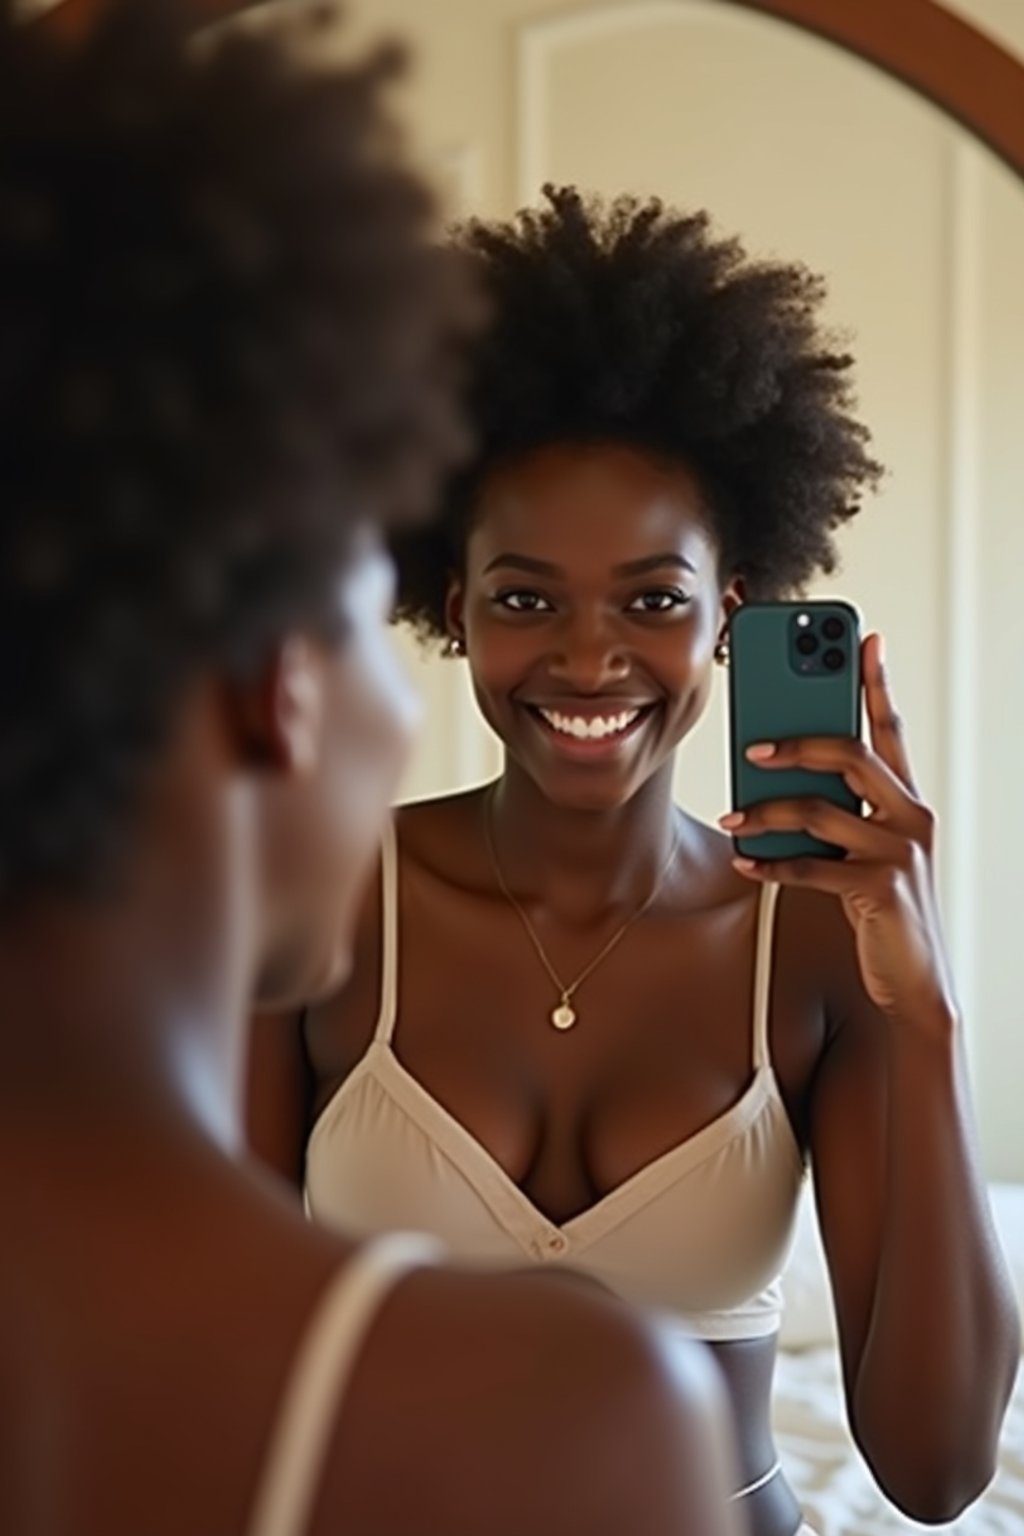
275 719
734 595
454 611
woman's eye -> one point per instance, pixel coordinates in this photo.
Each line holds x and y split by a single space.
659 600
522 600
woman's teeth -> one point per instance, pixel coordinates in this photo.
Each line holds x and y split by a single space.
593 729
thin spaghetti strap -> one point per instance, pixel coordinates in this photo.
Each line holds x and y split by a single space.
763 973
389 934
308 1412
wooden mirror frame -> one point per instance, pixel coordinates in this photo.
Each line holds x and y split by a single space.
944 58
919 42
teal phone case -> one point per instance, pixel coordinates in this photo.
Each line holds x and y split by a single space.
770 699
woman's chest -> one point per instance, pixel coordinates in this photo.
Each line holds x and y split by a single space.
669 1038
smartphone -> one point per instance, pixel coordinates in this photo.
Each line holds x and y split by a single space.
794 670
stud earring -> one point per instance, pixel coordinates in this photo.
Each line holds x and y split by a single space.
722 652
454 646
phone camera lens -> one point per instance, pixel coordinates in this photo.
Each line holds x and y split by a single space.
833 658
806 643
833 628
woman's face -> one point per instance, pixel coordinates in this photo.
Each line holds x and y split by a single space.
590 606
325 826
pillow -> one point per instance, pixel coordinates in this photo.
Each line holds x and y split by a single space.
809 1317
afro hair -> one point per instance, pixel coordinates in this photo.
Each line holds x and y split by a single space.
627 322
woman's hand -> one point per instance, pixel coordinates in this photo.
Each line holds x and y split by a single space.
886 882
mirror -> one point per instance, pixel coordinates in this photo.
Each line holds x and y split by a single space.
806 151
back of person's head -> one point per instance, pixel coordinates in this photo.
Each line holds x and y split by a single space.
226 345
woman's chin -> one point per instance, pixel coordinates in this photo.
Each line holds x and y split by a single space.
573 788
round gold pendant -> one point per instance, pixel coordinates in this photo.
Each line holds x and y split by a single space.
564 1016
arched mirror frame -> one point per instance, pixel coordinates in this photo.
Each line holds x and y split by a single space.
938 54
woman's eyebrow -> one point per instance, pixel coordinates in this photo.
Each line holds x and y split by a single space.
653 562
524 563
639 567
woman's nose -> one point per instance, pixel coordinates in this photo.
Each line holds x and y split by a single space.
589 655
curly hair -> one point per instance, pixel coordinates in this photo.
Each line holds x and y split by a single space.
629 322
228 338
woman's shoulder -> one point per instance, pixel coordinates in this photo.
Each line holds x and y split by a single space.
443 837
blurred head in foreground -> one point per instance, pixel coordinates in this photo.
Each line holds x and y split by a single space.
228 349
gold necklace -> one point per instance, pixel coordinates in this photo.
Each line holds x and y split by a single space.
563 1016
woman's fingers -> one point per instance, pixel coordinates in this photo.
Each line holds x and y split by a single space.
888 737
852 878
861 837
866 773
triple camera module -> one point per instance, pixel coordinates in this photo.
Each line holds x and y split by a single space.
819 643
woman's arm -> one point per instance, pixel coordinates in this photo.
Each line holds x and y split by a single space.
929 1333
279 1096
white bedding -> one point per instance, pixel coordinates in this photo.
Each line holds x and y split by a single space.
836 1490
829 1477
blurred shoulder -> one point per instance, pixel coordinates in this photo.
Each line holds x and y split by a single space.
497 1375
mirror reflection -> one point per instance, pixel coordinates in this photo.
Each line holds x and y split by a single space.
577 1032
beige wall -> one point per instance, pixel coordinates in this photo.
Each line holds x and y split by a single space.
810 153
985 816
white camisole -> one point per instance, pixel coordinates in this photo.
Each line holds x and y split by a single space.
701 1233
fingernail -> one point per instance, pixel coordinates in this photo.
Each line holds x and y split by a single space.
761 751
744 865
733 819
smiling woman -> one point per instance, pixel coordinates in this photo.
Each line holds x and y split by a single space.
578 1030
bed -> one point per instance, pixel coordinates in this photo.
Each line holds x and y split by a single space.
826 1471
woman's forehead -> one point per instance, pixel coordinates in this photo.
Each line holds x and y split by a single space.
594 504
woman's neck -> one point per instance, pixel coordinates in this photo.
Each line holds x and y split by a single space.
582 866
126 1012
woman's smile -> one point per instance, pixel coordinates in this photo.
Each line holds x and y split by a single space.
593 731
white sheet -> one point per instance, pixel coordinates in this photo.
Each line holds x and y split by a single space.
830 1479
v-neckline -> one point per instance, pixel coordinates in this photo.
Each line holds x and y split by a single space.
518 1213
